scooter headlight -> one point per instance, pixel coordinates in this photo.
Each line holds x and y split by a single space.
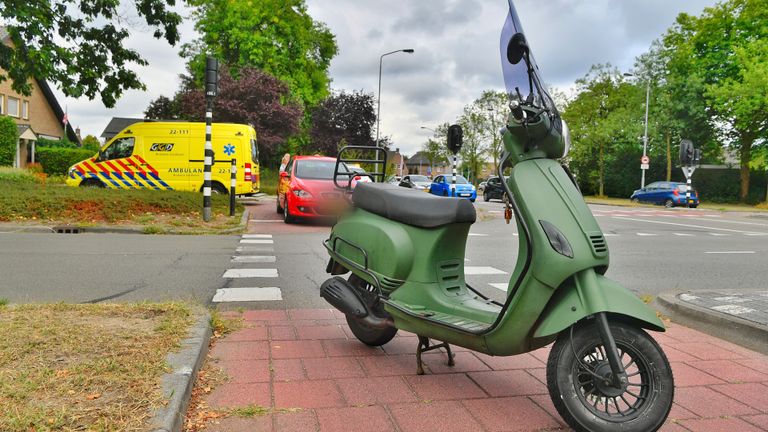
566 139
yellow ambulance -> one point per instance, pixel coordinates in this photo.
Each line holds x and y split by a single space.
169 156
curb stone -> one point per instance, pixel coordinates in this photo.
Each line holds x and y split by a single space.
177 385
106 229
722 325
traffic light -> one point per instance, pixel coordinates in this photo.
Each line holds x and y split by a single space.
686 152
211 77
697 156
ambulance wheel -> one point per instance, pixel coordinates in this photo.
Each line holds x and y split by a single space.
92 183
217 188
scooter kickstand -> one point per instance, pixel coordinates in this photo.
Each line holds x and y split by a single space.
425 346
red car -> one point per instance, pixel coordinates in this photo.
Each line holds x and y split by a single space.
306 189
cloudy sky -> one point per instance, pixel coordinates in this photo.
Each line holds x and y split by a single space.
456 58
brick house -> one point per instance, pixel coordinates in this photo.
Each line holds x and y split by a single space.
419 164
38 115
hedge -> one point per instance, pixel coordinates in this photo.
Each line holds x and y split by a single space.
57 160
9 135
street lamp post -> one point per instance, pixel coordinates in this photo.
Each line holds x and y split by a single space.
431 168
378 108
645 134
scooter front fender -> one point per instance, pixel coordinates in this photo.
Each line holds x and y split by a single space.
588 293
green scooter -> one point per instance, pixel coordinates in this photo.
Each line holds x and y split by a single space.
405 252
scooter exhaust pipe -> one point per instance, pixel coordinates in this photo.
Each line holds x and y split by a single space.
344 297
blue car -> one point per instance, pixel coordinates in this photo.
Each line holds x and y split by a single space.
442 186
670 194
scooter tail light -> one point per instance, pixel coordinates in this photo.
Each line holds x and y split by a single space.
247 172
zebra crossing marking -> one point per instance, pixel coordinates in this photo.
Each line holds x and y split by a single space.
502 285
481 270
224 295
250 273
253 259
256 241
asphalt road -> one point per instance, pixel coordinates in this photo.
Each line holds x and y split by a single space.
81 268
653 250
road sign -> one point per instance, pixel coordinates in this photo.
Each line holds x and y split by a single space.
644 166
645 161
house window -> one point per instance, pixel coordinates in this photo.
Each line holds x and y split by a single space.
13 107
25 110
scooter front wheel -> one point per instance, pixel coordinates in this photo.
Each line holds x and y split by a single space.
366 334
578 379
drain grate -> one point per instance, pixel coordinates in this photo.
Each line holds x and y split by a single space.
67 230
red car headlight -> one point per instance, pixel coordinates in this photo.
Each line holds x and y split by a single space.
301 193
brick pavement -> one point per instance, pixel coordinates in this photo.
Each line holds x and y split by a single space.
308 359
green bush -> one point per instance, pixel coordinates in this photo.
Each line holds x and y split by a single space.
9 135
56 160
17 175
62 143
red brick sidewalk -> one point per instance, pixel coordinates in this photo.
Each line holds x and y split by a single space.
308 359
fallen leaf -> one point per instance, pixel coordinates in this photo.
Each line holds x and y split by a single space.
93 396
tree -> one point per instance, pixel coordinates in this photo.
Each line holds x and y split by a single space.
721 56
475 144
342 117
9 136
603 119
434 151
79 44
277 36
92 143
490 113
254 98
163 108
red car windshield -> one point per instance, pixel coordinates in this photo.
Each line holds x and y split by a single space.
316 169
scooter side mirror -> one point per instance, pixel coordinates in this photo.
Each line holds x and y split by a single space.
455 138
516 48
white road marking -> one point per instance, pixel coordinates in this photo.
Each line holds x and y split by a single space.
724 221
482 271
502 286
247 294
733 309
730 252
257 236
683 225
254 259
610 235
477 235
719 234
688 297
756 234
260 241
646 234
250 273
732 299
255 249
683 234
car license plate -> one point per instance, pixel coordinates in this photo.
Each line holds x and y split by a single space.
465 194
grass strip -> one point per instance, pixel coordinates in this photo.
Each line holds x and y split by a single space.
24 202
85 367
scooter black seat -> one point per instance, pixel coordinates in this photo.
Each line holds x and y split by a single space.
412 207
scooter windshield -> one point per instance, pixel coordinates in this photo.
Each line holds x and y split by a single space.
522 78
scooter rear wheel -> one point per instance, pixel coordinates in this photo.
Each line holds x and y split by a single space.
366 334
586 403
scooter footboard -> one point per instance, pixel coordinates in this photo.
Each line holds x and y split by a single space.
588 293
